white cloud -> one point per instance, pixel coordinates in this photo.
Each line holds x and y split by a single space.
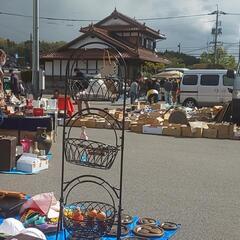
189 31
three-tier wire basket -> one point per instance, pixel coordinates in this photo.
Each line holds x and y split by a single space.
92 219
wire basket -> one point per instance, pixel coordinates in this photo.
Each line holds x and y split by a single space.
94 89
90 153
88 219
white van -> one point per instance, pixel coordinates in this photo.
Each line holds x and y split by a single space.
205 87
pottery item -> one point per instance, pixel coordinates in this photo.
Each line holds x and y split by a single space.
26 144
35 149
43 139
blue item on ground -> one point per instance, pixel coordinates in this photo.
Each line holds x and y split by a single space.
16 172
167 234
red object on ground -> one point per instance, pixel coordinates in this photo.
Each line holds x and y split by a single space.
69 105
38 112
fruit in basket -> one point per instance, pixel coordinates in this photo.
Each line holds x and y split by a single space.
101 216
77 215
92 213
68 213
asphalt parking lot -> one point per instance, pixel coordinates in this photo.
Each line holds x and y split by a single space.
194 182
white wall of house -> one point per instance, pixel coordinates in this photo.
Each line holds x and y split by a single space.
115 21
87 66
89 39
48 68
56 67
93 67
64 65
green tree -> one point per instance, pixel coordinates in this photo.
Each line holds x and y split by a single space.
224 60
150 68
179 59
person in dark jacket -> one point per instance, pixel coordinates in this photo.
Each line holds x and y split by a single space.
15 83
82 87
174 91
167 91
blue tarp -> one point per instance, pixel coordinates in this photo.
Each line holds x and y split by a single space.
167 234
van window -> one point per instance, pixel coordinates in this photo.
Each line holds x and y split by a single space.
190 80
209 80
227 81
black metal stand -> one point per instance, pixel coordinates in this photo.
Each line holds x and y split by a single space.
91 153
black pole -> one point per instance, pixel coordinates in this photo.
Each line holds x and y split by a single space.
60 221
122 153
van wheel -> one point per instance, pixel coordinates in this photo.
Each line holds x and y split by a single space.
191 103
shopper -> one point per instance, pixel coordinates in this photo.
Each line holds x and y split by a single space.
152 91
82 87
134 91
174 91
167 92
15 83
55 94
3 58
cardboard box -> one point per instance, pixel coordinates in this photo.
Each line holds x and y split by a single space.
127 124
223 130
155 114
156 106
186 131
31 164
210 132
197 132
100 124
149 129
168 131
90 123
235 132
177 129
118 115
137 128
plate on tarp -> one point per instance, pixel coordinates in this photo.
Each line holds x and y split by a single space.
148 230
135 238
125 219
146 220
169 226
113 231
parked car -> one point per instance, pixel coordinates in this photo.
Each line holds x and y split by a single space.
205 87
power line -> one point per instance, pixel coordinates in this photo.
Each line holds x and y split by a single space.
49 18
95 20
176 17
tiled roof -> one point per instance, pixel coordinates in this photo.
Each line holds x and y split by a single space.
82 54
99 54
151 56
128 50
133 23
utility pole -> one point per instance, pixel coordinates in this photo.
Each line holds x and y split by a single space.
216 32
35 49
179 48
216 37
239 52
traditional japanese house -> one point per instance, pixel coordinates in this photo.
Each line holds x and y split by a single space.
135 41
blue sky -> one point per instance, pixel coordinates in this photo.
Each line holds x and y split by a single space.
193 33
